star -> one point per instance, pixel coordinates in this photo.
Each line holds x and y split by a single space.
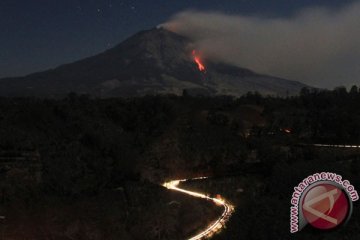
133 8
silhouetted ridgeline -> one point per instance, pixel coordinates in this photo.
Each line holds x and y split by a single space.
84 149
109 140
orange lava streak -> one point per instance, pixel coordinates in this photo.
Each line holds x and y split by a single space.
198 62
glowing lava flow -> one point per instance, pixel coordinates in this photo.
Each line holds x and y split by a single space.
219 223
198 61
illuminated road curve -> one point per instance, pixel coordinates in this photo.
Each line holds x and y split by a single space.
219 223
336 146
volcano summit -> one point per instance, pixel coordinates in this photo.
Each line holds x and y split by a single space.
155 61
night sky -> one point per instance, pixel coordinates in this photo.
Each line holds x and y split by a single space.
40 34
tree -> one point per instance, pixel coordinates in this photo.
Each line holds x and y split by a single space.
354 90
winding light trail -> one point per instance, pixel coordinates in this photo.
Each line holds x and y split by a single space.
219 223
336 146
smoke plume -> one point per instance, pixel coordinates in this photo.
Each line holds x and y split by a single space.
318 46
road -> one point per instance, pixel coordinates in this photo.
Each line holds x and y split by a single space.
219 224
216 226
336 146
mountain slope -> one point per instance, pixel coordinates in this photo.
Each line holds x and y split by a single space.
150 62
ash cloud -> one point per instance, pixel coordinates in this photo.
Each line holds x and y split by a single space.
317 46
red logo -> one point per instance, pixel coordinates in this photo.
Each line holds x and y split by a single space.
325 206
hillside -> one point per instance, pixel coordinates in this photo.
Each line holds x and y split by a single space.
155 61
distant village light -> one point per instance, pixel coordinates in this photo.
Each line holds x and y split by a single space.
287 130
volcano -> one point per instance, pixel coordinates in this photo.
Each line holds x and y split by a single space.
155 61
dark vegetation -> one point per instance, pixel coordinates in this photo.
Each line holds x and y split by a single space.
88 167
